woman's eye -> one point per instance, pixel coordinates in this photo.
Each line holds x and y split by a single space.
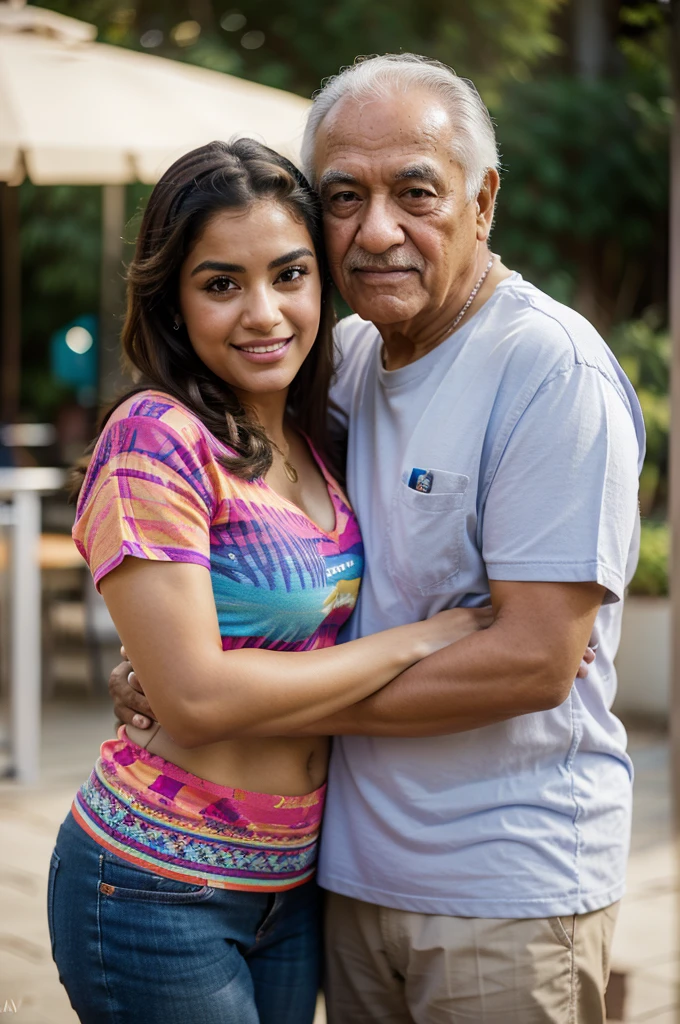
292 274
220 285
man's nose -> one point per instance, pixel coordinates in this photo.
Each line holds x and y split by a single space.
261 311
379 228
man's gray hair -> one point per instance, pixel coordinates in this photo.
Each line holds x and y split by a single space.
474 143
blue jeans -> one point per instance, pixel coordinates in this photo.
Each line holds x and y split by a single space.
135 948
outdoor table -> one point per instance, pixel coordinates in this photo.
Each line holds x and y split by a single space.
22 488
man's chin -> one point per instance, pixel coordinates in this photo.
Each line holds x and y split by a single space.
386 309
390 305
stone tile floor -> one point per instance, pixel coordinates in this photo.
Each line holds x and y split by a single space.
647 943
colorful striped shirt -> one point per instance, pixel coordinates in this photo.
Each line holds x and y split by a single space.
156 490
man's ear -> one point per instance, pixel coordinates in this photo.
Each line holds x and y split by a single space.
486 202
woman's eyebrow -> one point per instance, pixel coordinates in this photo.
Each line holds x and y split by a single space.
228 268
236 268
296 254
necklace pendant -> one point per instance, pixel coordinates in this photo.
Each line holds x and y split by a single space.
290 471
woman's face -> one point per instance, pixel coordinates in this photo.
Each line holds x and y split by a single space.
250 297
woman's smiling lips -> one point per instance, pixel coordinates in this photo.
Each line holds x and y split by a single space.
269 350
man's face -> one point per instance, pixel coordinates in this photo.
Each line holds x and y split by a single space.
400 232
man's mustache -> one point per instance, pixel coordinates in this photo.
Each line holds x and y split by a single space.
359 259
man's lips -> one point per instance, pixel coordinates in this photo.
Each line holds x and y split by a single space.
385 270
383 276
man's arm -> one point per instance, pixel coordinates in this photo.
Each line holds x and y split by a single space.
525 662
513 671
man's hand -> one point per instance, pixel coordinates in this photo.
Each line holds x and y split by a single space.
129 702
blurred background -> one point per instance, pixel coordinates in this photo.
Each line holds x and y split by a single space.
580 91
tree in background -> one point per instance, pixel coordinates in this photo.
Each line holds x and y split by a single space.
295 44
292 45
580 93
584 207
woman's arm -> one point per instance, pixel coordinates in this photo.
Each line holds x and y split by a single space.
165 615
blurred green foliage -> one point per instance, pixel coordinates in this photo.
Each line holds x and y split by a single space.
644 352
584 197
651 576
60 243
583 206
60 275
303 42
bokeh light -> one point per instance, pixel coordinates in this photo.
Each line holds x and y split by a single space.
186 33
79 340
252 40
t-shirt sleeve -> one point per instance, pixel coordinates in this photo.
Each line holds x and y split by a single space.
563 503
148 494
354 340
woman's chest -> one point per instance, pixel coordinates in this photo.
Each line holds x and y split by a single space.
279 580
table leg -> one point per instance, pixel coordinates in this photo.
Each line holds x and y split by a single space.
26 637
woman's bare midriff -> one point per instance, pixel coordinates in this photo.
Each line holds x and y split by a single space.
285 766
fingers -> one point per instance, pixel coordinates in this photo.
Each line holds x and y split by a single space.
129 702
589 656
128 716
134 682
141 722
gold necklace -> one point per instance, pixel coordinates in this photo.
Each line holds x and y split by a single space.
290 471
288 468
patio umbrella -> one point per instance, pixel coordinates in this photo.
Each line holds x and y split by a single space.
74 111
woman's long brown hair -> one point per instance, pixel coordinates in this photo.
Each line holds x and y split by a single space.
215 177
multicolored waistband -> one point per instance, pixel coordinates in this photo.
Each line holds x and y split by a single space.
160 818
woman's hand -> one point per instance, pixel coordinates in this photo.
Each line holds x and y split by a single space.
454 624
588 659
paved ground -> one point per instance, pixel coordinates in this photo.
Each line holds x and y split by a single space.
647 946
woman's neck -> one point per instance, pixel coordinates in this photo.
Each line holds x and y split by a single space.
269 411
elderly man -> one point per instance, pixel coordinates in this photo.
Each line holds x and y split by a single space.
476 834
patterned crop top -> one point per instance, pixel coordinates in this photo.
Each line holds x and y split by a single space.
155 490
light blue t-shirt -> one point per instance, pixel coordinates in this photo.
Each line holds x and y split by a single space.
532 439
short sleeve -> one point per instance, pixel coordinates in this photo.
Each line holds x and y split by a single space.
563 503
355 341
148 494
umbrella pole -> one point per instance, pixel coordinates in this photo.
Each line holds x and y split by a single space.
10 316
112 292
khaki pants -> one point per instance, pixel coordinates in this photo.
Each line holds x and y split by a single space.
403 968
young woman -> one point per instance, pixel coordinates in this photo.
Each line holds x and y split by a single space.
181 886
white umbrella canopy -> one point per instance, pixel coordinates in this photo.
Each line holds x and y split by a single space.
74 111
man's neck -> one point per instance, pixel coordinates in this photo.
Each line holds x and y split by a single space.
408 342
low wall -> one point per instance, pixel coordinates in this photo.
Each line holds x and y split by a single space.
643 660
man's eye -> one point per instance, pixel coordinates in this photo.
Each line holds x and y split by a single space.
220 285
419 193
344 197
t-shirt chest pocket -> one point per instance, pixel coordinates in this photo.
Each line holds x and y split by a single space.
426 532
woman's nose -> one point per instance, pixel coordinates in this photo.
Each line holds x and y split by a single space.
261 311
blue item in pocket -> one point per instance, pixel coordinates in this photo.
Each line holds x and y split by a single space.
421 480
